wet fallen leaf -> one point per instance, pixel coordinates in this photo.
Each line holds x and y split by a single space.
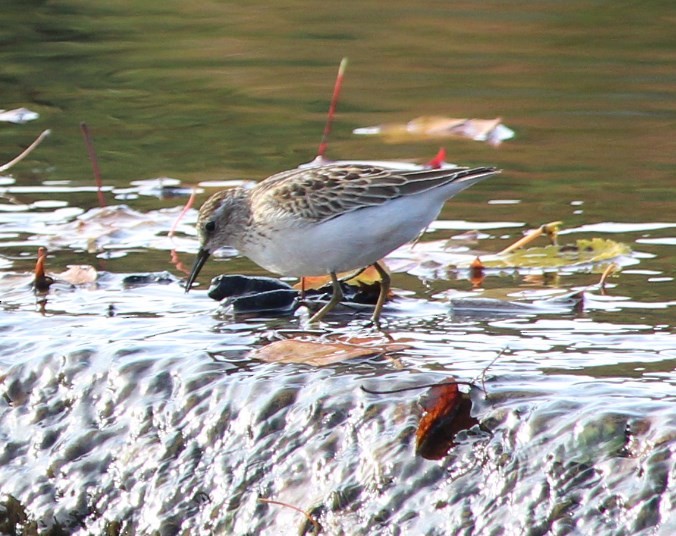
80 274
116 226
314 352
433 126
447 411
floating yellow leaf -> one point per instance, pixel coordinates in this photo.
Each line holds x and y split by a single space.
583 251
368 276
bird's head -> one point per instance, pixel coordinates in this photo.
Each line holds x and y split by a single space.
220 219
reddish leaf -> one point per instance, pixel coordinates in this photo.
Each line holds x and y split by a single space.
447 411
476 273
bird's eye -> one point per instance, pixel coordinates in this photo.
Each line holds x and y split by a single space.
210 226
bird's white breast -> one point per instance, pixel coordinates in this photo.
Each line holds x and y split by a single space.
348 242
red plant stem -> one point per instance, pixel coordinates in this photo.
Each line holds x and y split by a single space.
95 163
174 254
332 108
40 264
187 206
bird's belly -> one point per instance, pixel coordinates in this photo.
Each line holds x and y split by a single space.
348 242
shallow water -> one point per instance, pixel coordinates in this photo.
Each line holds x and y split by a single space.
131 407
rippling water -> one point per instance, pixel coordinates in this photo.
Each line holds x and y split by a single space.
129 407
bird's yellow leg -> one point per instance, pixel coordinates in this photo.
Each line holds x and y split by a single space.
384 291
335 299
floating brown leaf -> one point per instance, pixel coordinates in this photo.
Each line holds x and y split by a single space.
316 352
447 411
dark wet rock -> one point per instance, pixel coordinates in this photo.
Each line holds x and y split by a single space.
42 284
271 301
152 278
228 286
249 295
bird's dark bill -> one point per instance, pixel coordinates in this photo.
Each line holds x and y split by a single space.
202 256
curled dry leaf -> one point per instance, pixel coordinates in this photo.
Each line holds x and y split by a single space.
434 127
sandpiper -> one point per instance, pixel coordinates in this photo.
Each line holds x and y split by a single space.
328 219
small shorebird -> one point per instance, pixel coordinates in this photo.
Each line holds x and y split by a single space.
328 219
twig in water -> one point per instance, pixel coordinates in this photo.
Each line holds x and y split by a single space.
311 519
95 163
414 387
610 270
28 150
550 229
485 370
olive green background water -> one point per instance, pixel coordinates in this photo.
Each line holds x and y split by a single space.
219 90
